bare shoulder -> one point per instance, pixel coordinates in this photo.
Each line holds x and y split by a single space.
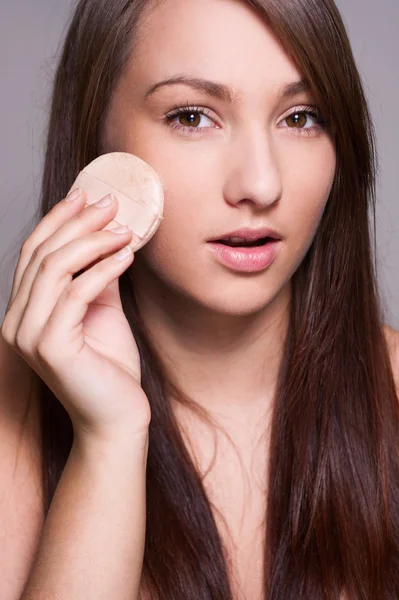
392 338
21 517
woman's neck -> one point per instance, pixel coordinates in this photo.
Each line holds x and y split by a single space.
226 363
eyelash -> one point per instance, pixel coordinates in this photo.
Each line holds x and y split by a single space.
186 109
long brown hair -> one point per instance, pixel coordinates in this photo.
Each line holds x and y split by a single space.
332 521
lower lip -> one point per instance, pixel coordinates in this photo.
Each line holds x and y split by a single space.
247 260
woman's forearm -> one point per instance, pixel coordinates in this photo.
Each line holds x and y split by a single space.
92 543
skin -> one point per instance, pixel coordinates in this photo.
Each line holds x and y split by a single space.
247 164
205 319
250 166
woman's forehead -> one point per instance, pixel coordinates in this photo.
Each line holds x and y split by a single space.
223 41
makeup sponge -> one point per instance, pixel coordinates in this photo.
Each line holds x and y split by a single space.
137 187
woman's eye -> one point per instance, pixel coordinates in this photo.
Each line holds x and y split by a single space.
300 118
192 119
189 119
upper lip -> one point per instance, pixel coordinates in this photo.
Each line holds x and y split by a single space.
250 235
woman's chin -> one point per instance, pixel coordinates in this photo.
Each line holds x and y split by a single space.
236 305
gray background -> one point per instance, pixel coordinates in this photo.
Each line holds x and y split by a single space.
31 33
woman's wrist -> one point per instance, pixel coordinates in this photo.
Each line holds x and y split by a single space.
119 444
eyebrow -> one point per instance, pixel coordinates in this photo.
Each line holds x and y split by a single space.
223 92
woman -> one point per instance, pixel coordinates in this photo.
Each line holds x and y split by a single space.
209 429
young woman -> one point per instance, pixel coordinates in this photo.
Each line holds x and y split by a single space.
194 428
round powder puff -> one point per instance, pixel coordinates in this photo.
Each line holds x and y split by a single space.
137 187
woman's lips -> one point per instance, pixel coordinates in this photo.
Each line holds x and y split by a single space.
248 259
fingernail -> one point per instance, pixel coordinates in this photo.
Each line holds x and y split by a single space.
121 229
73 195
124 253
104 201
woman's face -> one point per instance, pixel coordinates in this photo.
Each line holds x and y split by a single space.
248 162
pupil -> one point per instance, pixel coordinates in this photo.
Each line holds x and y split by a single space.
296 117
192 118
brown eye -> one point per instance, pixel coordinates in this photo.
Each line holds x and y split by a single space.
188 119
192 119
298 119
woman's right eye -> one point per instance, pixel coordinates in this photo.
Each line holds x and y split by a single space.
191 115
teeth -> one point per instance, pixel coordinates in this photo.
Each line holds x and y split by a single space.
236 239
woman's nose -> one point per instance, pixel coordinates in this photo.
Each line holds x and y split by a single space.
252 172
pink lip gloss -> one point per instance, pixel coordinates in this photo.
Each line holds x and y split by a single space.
250 259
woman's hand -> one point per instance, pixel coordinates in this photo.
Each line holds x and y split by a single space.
73 332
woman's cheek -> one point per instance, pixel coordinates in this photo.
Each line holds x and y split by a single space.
170 250
304 221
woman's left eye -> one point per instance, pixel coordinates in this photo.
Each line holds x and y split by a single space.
301 116
192 115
